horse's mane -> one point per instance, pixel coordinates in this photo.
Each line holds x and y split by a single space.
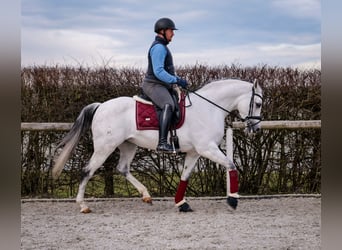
221 82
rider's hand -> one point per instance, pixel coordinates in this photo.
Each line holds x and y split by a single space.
182 83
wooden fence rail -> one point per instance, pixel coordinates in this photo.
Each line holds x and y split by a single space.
298 124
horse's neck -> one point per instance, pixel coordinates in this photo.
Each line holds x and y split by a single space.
225 94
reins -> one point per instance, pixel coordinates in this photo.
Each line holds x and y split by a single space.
206 99
251 104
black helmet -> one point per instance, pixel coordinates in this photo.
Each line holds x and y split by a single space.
164 23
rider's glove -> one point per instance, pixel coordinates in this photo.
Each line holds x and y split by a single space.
182 83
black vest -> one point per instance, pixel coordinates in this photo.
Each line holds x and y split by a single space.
168 63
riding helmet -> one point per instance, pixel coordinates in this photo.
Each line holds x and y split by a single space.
164 23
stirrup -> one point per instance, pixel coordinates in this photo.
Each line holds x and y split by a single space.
174 140
166 148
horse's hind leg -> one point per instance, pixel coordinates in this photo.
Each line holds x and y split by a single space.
95 162
127 152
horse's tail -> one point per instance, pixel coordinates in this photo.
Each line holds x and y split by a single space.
82 124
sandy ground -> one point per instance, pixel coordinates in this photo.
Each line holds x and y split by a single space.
274 223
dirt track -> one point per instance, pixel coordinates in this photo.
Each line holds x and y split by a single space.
276 223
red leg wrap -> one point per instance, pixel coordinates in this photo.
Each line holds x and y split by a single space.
234 181
181 191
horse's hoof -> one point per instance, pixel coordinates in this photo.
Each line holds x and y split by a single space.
185 208
232 202
147 200
85 210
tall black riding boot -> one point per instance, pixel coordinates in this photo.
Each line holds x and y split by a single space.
164 127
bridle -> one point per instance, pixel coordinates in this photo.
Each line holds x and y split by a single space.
247 119
250 115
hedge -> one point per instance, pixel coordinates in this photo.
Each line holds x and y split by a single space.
273 162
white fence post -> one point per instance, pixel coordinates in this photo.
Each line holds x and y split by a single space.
229 150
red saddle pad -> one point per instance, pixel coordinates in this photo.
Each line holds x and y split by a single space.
146 115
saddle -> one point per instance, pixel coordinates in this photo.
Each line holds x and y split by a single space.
146 114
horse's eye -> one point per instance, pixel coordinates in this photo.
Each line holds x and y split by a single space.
258 105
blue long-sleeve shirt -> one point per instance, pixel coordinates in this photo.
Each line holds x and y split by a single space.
158 54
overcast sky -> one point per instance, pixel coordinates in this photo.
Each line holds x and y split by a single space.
212 32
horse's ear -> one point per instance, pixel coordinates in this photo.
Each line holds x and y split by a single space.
255 83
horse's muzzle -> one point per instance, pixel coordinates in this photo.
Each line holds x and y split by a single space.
252 127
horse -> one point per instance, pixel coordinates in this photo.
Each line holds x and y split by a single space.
113 125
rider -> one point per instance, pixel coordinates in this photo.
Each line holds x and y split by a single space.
160 78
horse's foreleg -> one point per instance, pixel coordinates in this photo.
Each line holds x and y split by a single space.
190 161
212 152
127 152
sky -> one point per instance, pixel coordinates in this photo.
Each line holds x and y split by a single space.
118 33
